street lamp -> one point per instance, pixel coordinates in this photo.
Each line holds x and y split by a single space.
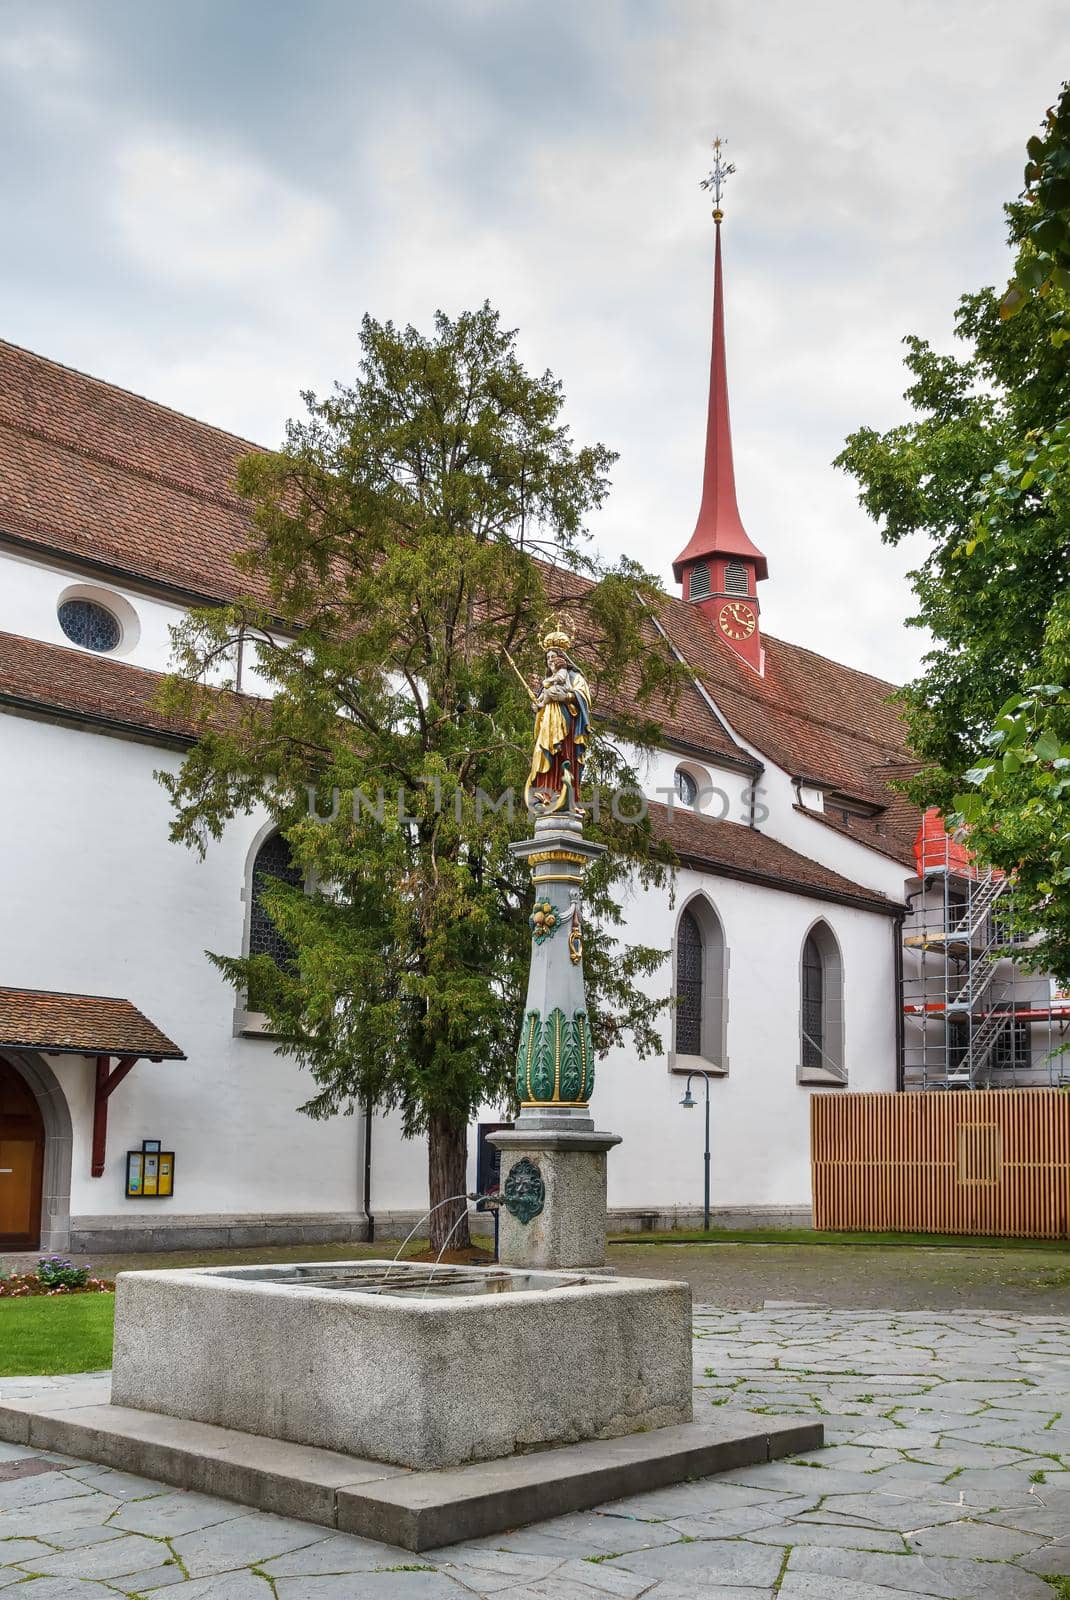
689 1103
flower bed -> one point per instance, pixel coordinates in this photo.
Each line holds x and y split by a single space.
53 1275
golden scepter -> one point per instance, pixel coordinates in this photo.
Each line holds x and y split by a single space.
520 675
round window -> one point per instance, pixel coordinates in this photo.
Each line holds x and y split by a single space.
686 787
90 625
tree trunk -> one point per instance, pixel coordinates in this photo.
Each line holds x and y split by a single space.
447 1172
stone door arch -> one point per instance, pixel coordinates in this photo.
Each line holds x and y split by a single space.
36 1145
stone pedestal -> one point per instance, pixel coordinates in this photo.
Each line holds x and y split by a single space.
554 1183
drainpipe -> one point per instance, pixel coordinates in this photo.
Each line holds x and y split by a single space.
900 1020
368 1170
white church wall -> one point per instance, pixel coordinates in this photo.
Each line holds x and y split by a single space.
32 591
759 1113
97 901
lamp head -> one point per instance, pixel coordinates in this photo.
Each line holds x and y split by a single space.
688 1102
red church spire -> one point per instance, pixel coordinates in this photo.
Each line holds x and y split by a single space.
721 559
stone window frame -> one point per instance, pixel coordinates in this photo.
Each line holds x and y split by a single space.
115 605
253 1024
713 1057
833 1068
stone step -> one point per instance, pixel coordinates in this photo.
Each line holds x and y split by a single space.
416 1510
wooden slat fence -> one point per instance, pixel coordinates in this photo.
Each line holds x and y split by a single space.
982 1161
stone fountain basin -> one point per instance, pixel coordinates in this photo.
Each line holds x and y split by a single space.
395 1362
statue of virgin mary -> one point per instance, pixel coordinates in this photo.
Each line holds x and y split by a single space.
562 725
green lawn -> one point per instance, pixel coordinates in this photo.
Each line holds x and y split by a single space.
809 1236
65 1333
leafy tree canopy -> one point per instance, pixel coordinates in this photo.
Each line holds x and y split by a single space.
983 468
416 526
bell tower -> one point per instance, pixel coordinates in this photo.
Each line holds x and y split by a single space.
721 566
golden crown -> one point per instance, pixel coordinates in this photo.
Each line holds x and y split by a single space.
559 637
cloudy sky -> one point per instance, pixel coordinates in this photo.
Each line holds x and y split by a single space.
202 197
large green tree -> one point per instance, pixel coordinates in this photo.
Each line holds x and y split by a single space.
416 526
982 469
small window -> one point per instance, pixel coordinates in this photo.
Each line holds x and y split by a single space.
90 625
699 582
735 578
1013 1050
686 787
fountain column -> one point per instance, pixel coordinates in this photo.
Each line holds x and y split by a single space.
553 1159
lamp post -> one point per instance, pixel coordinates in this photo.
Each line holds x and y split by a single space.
689 1103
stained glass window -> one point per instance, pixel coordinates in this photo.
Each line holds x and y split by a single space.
690 956
92 626
273 863
686 787
813 1005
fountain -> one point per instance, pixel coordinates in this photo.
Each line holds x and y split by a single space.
426 1404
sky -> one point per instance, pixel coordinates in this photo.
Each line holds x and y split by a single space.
201 199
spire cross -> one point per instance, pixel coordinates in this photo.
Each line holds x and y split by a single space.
720 171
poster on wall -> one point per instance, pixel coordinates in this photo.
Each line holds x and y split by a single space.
150 1172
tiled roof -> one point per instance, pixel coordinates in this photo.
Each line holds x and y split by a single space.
81 1024
74 683
98 473
730 849
109 477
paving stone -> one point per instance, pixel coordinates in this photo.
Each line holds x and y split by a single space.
255 1536
928 1575
827 1533
373 1586
148 1582
986 1541
341 1552
37 1491
893 1511
62 1589
123 1485
804 1586
113 1558
706 1591
57 1518
12 1550
166 1516
222 1586
602 1576
729 1561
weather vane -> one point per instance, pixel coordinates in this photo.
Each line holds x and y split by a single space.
720 171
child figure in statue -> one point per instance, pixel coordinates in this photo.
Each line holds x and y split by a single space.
562 725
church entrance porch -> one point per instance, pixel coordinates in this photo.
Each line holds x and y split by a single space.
22 1161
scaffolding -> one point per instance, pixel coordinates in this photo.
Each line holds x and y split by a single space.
974 1016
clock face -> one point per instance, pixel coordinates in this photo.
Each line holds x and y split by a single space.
737 620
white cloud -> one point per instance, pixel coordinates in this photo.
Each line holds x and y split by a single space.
204 216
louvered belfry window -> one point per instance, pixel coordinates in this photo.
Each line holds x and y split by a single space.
699 582
735 578
690 959
274 862
813 1004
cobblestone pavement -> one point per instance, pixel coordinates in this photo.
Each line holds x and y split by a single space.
947 1474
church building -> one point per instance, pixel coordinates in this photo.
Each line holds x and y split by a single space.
140 1105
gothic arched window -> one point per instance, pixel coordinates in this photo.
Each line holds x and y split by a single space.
274 863
821 1007
699 1022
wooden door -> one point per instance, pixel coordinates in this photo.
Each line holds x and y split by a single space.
22 1155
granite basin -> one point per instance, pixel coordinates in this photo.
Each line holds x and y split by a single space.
396 1362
